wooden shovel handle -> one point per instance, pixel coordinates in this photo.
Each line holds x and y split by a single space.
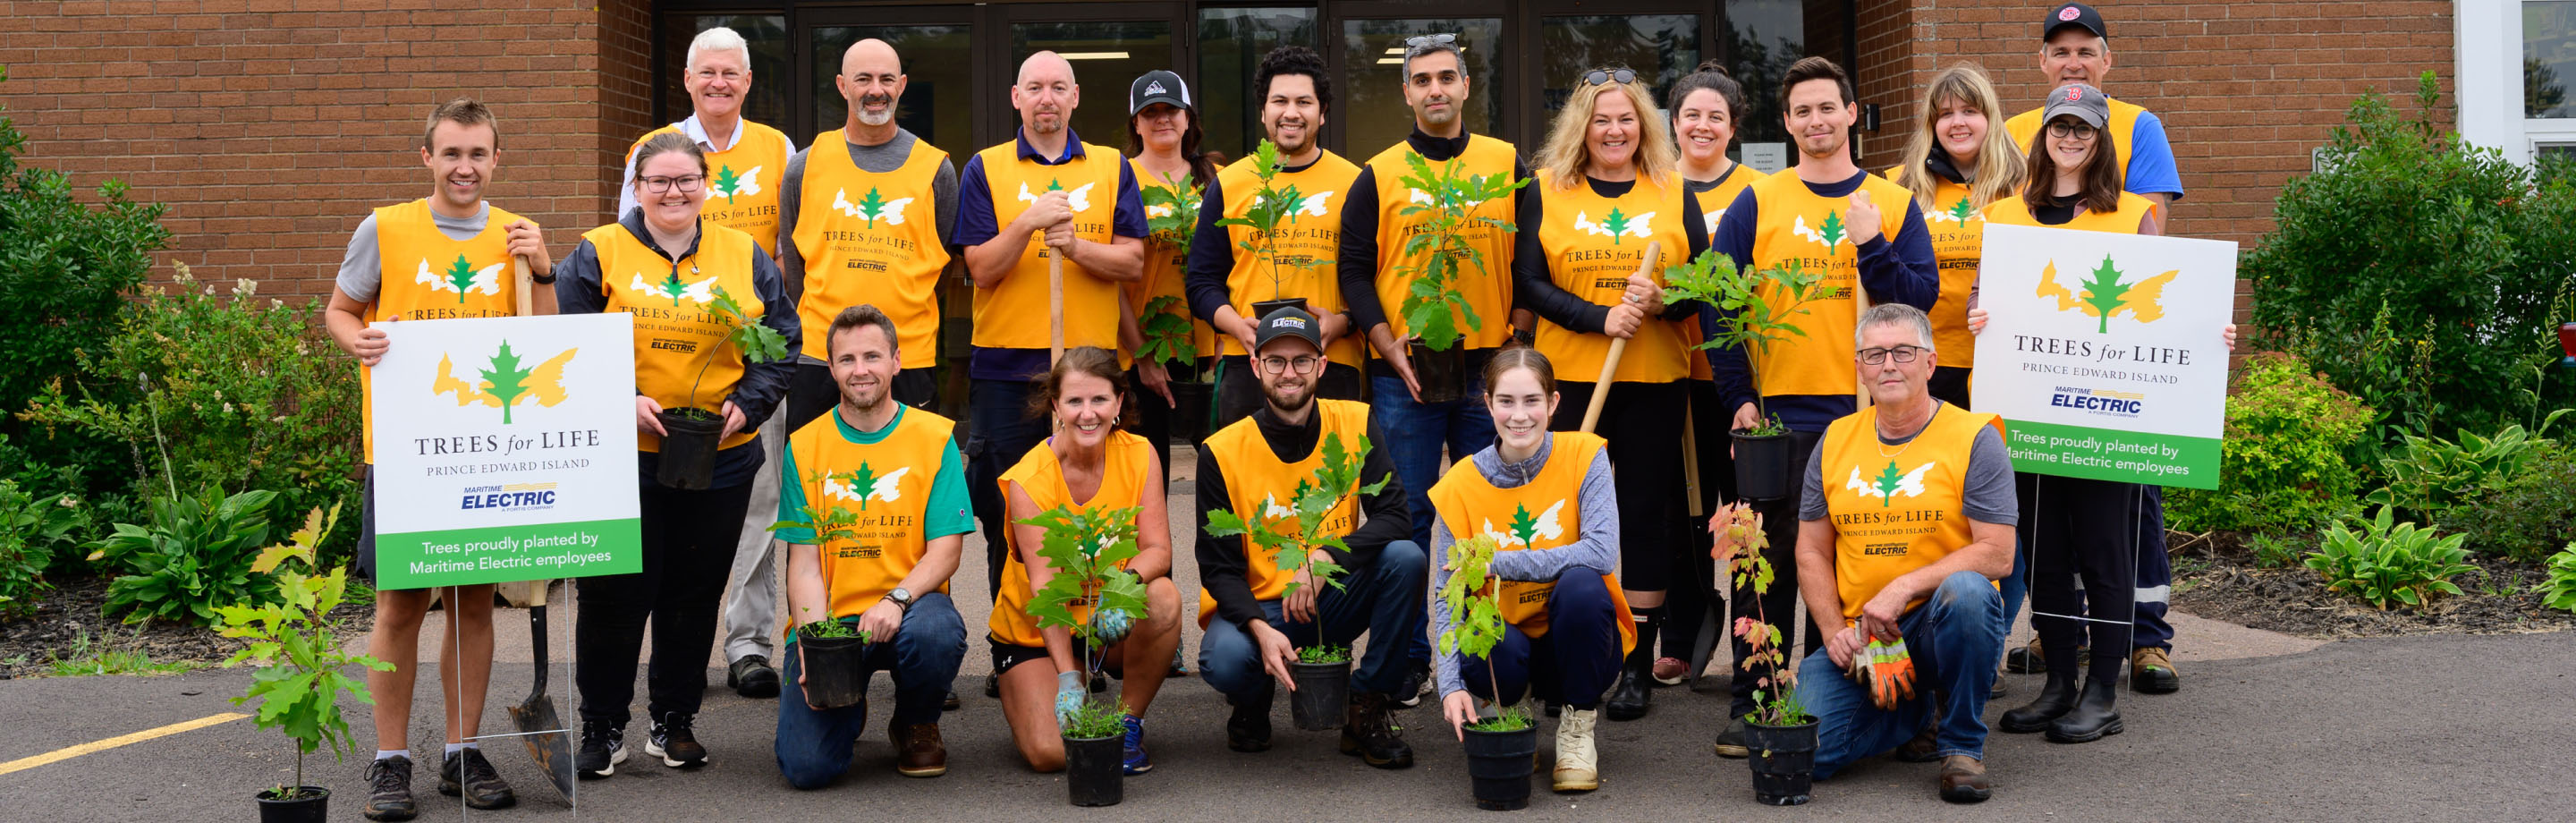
526 285
1055 306
1618 347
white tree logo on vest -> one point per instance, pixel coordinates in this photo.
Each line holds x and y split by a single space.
460 278
883 488
1616 225
1078 200
747 182
870 207
1315 205
702 291
1889 484
1549 527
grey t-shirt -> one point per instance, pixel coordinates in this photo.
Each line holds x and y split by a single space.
1988 497
362 271
878 159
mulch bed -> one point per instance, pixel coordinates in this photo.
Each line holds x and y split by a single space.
70 612
2216 577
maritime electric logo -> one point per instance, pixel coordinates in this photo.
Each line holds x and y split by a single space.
2103 402
506 381
511 497
2102 294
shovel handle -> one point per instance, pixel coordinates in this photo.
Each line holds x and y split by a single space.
526 285
1055 306
1618 346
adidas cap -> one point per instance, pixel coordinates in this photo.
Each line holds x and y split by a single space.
1157 86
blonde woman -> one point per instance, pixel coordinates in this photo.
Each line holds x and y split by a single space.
1608 184
1958 161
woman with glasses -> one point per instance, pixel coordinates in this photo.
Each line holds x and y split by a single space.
671 268
1606 186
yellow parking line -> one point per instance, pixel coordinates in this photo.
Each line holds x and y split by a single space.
69 752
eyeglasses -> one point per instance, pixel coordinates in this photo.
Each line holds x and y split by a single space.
1596 77
1304 364
2078 131
687 183
1422 40
1903 354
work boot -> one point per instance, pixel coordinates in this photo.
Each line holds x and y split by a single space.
1628 700
1924 748
1730 742
918 750
752 677
2151 671
1963 780
2054 701
2026 660
389 789
603 746
1577 761
1369 730
2094 716
674 742
1248 728
468 775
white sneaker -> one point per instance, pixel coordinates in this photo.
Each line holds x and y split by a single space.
1576 759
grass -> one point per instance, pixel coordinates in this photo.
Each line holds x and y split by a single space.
90 658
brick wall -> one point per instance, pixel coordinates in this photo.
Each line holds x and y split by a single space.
270 127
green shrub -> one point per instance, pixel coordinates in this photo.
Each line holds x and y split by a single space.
196 556
2524 515
2430 478
31 526
2389 565
2559 591
2420 273
2285 466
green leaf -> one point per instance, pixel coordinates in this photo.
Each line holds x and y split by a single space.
506 378
2103 293
727 181
461 275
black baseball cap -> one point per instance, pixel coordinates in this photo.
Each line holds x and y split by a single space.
1288 321
2072 14
1157 86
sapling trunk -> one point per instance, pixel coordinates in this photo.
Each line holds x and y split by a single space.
1494 680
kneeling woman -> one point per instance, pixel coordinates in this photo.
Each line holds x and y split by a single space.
1569 624
1089 464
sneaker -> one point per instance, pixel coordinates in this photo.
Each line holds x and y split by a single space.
1577 762
389 789
2151 671
752 677
1136 762
1417 683
602 747
992 685
1671 671
1730 743
1248 728
1180 668
918 750
467 774
950 703
1369 730
675 743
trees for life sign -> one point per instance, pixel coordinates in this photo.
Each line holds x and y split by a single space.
505 450
2105 352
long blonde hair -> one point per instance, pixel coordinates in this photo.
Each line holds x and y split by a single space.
1999 162
1565 155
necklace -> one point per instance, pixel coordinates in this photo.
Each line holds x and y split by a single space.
1909 443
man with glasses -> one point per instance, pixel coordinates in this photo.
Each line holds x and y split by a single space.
745 161
1298 262
1855 230
1254 623
1375 273
2076 48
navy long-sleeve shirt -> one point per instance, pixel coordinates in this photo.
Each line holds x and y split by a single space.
1358 258
1900 269
1534 285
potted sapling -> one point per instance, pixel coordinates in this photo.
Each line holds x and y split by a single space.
1433 305
1273 211
1321 687
831 649
690 439
1780 735
1754 311
300 659
1093 596
1172 215
1499 748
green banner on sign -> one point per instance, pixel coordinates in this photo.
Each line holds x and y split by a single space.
499 554
2111 454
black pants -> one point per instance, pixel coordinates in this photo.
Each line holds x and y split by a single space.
1643 423
1692 596
1153 417
689 541
2083 541
1238 389
811 392
1780 524
1000 432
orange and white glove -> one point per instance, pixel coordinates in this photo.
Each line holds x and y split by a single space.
1886 670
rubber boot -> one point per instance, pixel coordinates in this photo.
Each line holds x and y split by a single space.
2094 715
2054 701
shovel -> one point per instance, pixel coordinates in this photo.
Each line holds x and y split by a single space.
1618 347
540 728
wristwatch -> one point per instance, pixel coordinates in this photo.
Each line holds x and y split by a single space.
902 598
1524 337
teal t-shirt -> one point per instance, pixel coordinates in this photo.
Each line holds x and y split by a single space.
946 513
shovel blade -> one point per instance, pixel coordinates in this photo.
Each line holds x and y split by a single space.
540 728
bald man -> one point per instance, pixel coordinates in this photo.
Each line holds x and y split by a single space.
863 215
1045 194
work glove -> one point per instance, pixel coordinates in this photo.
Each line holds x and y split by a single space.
1110 626
1886 670
1069 694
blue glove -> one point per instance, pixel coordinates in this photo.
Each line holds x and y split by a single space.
1110 626
1069 693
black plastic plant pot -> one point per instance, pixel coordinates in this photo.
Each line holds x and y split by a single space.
832 673
311 805
1499 763
1091 770
1190 413
689 449
1765 465
1323 693
1263 308
1441 374
1783 759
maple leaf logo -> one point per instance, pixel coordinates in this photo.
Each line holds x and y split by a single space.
1959 212
1616 225
1316 204
671 287
871 207
2104 295
1078 200
461 277
1525 528
1830 236
864 485
725 182
1890 483
505 384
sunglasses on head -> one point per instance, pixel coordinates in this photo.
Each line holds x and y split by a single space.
1596 77
1421 40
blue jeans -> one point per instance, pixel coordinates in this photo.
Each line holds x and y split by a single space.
1574 664
1376 597
815 746
1955 638
1415 433
2016 586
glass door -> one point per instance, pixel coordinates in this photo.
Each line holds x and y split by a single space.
1368 45
1109 46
